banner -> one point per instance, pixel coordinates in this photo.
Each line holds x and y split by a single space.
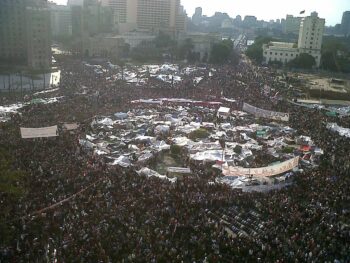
279 116
70 126
39 132
263 171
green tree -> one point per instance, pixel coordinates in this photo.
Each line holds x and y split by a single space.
255 51
304 61
336 54
223 52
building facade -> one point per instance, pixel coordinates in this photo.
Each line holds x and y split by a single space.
25 34
345 23
311 35
291 25
309 42
152 15
61 20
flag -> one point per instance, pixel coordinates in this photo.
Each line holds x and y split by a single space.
302 12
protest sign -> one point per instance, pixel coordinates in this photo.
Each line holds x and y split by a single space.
279 116
39 132
263 171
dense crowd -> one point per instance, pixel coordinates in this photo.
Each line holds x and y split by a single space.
112 214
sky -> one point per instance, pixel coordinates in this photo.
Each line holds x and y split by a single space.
331 10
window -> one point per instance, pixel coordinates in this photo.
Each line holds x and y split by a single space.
276 53
270 53
281 54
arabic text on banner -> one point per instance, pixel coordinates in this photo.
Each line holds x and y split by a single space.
279 116
263 171
28 133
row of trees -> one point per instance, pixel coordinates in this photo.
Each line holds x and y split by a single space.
221 52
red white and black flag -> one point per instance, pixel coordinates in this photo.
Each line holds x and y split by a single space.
302 12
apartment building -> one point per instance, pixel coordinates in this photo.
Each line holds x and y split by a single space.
25 33
151 15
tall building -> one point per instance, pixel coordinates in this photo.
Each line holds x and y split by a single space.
250 21
345 23
310 36
25 37
292 24
310 42
61 20
151 15
197 16
89 20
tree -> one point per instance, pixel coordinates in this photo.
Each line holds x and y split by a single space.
255 51
336 54
304 61
223 52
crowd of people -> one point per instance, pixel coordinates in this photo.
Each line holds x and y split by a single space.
79 209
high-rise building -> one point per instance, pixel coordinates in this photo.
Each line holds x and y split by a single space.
311 35
25 37
151 15
292 24
345 23
61 20
197 16
250 21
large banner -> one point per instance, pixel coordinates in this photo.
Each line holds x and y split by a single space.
39 132
279 116
70 126
263 171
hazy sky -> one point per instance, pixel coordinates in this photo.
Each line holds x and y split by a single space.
331 10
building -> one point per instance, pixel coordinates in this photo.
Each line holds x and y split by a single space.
345 23
152 15
292 25
25 38
310 42
104 46
197 16
138 38
202 43
311 35
89 20
61 20
249 21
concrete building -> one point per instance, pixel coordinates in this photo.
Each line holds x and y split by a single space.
311 35
202 43
249 21
291 25
89 20
25 33
310 42
345 23
138 38
104 46
61 20
153 15
197 16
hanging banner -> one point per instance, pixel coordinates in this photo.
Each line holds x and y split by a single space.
263 171
279 116
28 133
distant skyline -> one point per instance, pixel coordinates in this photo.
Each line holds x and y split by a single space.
331 10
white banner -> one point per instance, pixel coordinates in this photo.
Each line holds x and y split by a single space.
39 132
263 171
279 116
70 126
